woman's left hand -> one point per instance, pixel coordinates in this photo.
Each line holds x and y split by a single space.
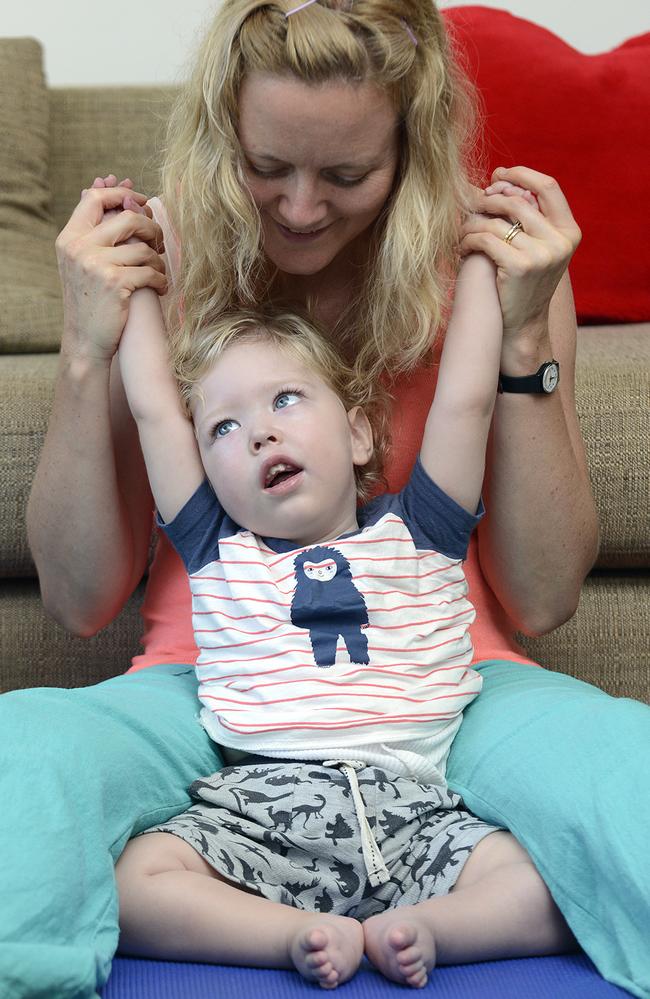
530 266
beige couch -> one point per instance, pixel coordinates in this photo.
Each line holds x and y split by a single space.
54 142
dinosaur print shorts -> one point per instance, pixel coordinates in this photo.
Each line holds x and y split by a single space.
291 832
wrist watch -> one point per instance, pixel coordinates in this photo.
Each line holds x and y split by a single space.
543 382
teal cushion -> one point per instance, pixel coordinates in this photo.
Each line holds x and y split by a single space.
566 768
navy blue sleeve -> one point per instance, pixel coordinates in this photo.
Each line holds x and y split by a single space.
434 519
196 528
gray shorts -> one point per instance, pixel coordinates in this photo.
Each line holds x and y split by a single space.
290 831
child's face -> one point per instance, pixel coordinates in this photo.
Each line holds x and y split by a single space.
278 446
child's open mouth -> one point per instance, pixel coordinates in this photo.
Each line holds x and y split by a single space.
280 477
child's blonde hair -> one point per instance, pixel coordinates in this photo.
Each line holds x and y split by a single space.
391 323
301 337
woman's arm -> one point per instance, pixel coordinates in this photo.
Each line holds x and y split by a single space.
539 538
89 513
456 432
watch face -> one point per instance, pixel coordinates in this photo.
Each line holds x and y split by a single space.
551 377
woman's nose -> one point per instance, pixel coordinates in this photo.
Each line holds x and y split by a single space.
301 205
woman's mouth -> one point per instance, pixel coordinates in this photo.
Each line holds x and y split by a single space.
301 236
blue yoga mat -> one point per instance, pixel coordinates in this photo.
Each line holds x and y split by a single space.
571 976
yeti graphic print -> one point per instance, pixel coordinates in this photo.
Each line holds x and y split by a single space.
355 648
327 603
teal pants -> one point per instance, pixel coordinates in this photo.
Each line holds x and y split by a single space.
563 765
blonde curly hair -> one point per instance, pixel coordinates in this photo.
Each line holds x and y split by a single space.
302 337
391 323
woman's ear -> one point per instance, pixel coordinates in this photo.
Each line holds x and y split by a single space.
360 435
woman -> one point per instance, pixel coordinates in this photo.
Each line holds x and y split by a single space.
330 137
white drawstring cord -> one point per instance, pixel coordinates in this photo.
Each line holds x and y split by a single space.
375 866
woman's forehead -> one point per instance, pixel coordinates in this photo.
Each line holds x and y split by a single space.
284 118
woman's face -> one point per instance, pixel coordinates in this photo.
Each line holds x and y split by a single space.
319 160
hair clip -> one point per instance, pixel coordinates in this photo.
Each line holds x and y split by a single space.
407 28
301 6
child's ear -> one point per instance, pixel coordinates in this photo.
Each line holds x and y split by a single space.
360 435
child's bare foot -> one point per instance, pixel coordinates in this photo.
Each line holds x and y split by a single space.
329 951
401 945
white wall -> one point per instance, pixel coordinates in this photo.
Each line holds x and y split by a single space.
147 41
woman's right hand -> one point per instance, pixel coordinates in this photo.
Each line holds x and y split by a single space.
100 267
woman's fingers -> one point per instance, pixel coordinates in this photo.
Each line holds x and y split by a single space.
534 257
127 224
498 229
111 181
136 252
96 200
144 277
105 252
512 209
102 183
493 246
546 189
546 240
89 219
131 204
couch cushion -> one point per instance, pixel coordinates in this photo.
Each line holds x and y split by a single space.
26 393
36 652
584 120
607 641
101 130
613 400
30 300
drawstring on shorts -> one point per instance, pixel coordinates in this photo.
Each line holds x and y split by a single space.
372 858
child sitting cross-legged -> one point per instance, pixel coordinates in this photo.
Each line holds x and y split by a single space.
334 658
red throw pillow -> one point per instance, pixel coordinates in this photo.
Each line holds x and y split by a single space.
585 120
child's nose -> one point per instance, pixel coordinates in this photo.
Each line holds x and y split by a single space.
264 437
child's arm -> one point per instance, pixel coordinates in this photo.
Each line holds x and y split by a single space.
456 432
167 438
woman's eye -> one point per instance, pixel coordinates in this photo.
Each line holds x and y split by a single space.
287 399
347 181
224 428
268 174
331 178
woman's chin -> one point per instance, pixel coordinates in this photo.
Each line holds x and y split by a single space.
302 259
301 264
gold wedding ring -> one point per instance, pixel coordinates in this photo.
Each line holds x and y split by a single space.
512 231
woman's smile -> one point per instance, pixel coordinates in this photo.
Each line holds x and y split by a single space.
306 236
319 162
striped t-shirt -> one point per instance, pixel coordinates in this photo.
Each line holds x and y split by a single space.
357 648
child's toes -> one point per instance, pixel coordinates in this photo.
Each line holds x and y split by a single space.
418 979
403 937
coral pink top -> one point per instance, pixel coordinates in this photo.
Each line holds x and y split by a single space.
167 610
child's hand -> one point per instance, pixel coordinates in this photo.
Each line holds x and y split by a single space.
128 203
511 190
111 181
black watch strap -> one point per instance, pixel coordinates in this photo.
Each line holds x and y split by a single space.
543 382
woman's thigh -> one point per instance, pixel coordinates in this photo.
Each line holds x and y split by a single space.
566 768
83 770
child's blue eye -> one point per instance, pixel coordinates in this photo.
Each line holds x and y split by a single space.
287 398
224 428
